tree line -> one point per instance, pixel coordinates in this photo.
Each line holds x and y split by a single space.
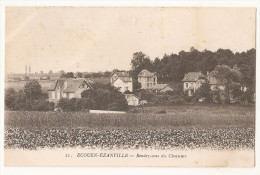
173 67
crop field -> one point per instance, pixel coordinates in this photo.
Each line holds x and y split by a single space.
19 85
182 127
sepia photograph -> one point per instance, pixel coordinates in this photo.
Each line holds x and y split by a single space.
130 86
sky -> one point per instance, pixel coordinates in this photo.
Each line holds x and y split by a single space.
91 39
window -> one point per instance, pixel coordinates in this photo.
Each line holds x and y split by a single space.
154 80
147 79
147 84
187 85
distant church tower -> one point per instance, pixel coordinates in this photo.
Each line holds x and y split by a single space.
29 69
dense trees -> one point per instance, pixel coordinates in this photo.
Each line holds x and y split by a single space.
105 97
171 68
101 97
32 90
67 75
29 99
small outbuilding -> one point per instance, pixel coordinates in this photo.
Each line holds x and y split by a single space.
162 88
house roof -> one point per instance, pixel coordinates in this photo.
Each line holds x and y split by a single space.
121 74
212 79
73 84
146 73
159 86
59 82
193 76
124 79
90 80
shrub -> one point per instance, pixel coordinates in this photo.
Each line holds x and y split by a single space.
105 97
64 104
161 112
42 105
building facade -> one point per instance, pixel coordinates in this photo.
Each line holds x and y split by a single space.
147 79
192 81
67 88
122 80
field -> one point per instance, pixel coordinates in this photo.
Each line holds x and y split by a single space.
182 127
19 85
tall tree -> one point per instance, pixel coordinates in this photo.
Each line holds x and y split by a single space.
32 90
139 62
228 78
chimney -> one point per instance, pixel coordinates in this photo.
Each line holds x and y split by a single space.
207 72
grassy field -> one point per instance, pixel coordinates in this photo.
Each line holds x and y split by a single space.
182 127
19 85
177 116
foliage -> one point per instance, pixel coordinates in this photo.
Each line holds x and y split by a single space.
10 98
163 98
67 75
32 90
228 78
139 62
127 92
18 101
203 92
172 67
136 85
106 97
79 75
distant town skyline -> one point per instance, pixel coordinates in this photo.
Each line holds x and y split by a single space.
92 39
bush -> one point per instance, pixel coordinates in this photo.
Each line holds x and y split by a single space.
105 97
64 104
118 105
178 101
161 112
42 105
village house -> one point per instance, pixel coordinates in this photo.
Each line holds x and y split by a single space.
213 82
67 88
192 81
147 79
122 80
162 88
132 100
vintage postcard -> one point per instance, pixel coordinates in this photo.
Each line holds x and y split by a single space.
130 86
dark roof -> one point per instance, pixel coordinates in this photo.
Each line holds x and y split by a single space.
73 84
124 79
59 82
193 76
146 73
159 86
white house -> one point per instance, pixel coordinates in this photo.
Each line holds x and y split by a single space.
122 80
67 88
147 79
132 100
192 81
